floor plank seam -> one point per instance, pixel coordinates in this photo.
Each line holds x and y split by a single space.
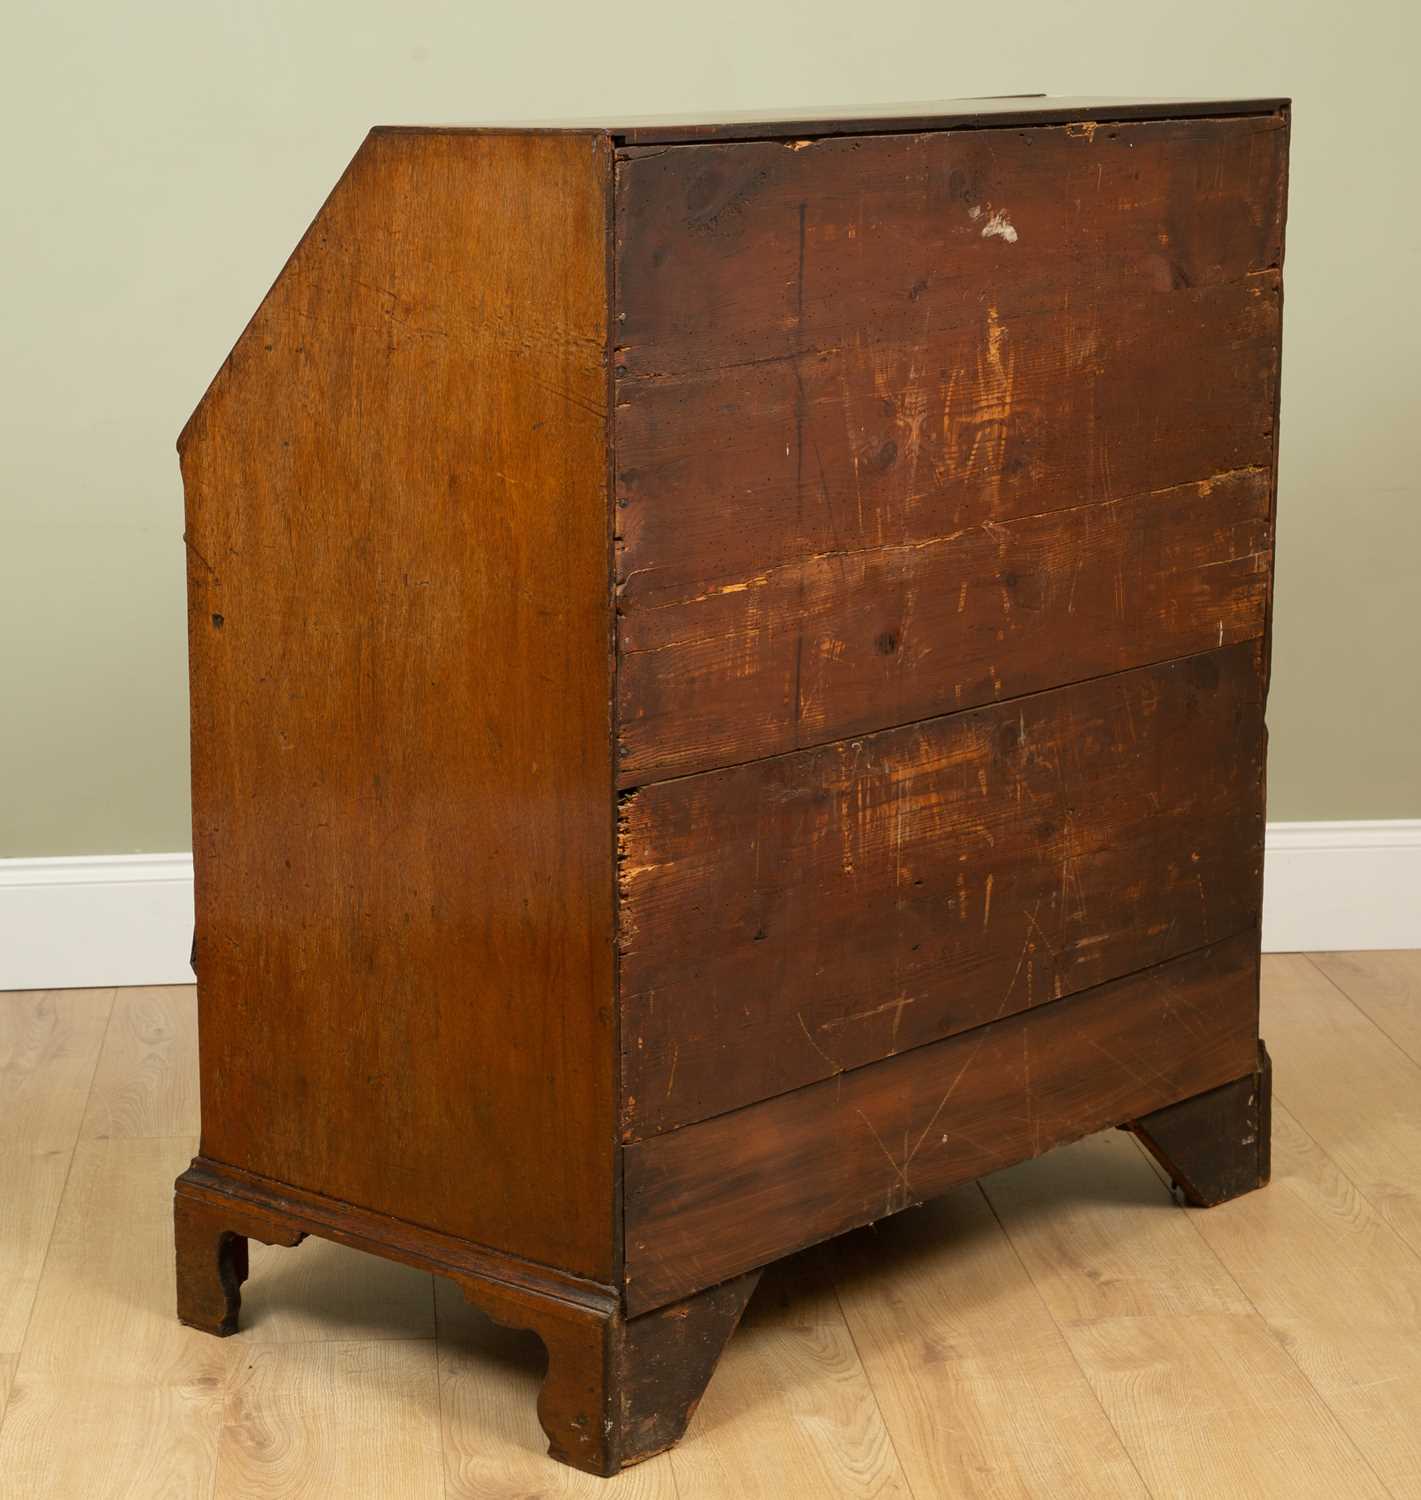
1361 1010
1356 1397
439 1388
868 1381
1273 1334
176 1135
1061 1334
59 1202
1381 1218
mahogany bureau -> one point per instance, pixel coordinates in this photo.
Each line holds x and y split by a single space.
728 667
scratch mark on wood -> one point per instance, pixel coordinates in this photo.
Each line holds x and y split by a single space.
799 1016
187 542
671 1076
899 1172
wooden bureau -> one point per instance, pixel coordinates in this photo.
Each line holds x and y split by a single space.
728 668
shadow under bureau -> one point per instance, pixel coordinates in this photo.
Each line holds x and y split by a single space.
728 666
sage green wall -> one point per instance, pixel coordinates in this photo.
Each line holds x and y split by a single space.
161 159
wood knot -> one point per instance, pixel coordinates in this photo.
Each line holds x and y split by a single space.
884 459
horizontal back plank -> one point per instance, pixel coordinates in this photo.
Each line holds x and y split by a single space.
938 114
901 226
851 642
805 914
884 343
718 1198
992 412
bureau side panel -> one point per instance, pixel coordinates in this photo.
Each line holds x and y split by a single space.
894 411
709 1201
398 554
806 914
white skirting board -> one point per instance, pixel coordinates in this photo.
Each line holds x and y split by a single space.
120 919
1328 887
96 920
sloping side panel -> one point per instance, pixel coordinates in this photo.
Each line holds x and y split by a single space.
398 548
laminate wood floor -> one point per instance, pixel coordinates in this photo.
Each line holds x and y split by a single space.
1060 1329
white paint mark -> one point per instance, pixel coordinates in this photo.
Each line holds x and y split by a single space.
975 212
1000 227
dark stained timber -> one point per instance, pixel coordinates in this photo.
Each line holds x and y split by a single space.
617 1389
843 371
939 114
1216 1145
788 919
856 641
719 1198
728 664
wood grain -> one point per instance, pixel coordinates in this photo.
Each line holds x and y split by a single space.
617 1389
940 114
1212 1402
1385 987
891 512
49 1047
713 1199
851 642
957 1342
112 1398
976 1391
1155 206
832 385
146 1080
1205 1400
1338 1290
489 1378
1009 412
283 1401
791 1410
1215 1146
663 1362
1101 1205
399 633
786 920
1349 1085
329 1293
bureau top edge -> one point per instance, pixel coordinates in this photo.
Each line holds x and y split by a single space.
943 114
